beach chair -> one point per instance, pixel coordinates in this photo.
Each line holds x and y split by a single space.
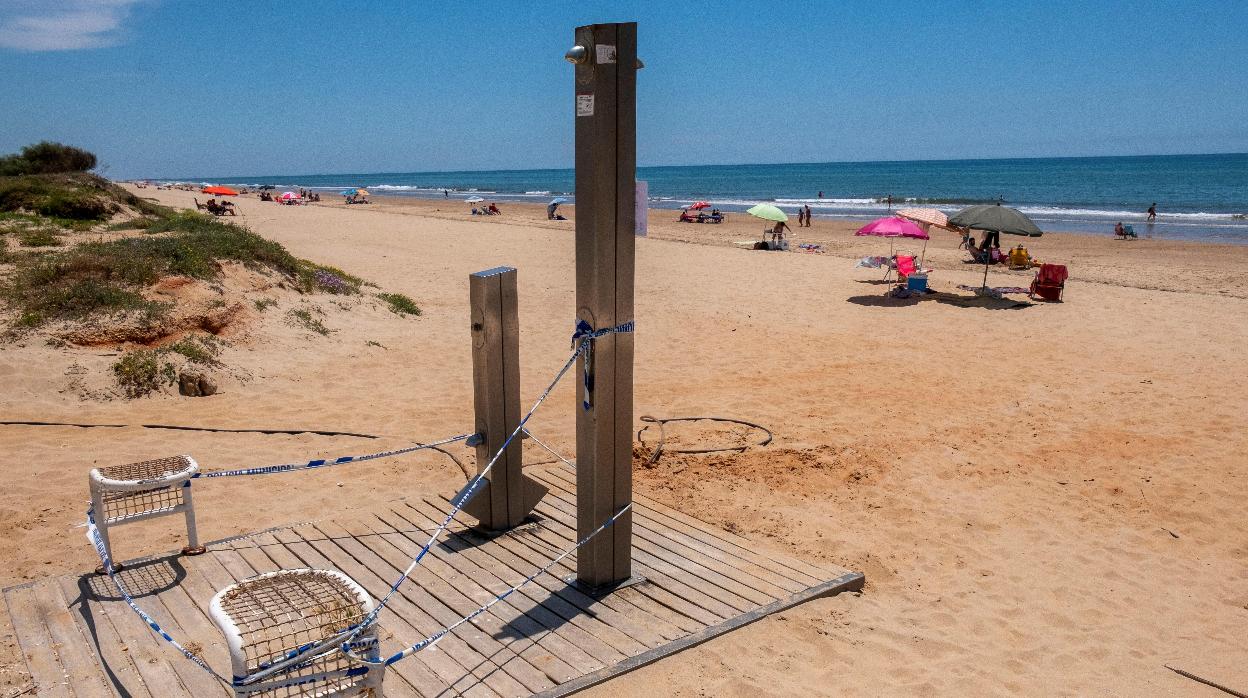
270 618
122 494
904 266
1050 282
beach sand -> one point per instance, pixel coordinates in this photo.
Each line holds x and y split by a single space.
1045 500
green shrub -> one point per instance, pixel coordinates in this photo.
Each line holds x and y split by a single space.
304 319
47 158
39 237
263 304
400 304
79 198
197 350
141 372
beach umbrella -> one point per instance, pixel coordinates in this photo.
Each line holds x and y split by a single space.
700 205
288 196
768 212
348 192
219 191
894 227
473 200
928 216
558 200
361 192
995 218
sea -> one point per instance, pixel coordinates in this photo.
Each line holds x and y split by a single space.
1198 197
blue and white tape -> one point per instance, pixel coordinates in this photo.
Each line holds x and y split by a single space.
325 462
582 340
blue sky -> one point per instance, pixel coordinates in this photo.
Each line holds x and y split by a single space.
182 88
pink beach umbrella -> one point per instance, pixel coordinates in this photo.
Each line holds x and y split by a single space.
894 227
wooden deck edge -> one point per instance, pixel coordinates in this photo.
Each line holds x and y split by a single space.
852 581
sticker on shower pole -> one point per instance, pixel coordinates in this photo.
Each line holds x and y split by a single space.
585 105
606 53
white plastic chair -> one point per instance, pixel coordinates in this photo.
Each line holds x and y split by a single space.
122 494
268 617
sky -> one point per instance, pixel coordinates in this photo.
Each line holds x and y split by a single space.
178 88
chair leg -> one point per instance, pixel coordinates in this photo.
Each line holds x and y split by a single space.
194 548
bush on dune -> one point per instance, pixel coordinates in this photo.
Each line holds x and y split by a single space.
47 157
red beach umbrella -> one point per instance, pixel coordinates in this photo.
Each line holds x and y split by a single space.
700 205
219 191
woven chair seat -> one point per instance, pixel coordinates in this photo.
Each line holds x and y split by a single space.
267 618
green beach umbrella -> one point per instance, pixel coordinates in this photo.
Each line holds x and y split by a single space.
997 219
768 213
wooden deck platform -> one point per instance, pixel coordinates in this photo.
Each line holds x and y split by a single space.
80 639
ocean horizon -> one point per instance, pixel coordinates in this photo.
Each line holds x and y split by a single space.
1198 197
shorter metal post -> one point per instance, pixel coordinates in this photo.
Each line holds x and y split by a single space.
508 495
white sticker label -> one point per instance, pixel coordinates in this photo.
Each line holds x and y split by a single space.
584 105
606 53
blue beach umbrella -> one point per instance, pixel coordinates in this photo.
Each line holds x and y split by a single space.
558 200
347 192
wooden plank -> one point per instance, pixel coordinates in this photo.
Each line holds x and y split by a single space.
605 644
512 624
738 572
709 584
666 518
36 642
81 665
851 581
544 543
153 658
397 551
605 161
625 634
453 664
665 577
552 611
101 636
139 577
647 628
451 595
736 544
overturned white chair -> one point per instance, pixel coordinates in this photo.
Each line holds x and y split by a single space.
122 494
270 618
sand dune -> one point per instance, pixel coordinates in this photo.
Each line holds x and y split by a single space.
1045 499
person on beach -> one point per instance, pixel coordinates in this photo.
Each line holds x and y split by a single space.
550 211
1120 231
777 234
820 195
446 194
1152 212
801 217
807 215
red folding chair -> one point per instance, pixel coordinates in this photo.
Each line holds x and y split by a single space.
1049 283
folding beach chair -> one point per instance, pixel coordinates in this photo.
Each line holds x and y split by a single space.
1049 283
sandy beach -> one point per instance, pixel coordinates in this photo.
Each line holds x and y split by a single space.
1045 498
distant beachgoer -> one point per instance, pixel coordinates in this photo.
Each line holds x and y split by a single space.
494 209
820 195
1120 231
807 215
550 211
446 194
801 217
1152 212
